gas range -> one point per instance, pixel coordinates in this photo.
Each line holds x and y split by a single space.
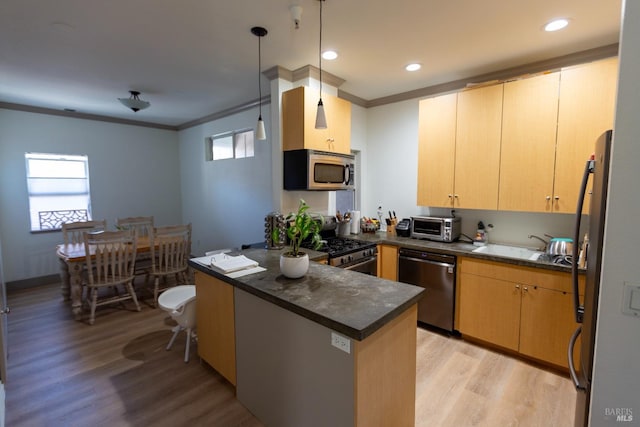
345 251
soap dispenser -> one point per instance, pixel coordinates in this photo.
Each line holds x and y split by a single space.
481 235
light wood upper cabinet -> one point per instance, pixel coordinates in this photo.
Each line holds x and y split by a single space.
387 262
436 150
530 112
216 324
524 309
459 149
586 110
477 158
299 106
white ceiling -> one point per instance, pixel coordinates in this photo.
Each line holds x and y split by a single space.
194 58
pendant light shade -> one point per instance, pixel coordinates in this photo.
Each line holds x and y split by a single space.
260 33
321 119
260 132
134 102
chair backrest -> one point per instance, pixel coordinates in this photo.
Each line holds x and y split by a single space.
141 225
72 232
170 248
113 255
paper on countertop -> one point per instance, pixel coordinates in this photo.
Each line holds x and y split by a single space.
230 266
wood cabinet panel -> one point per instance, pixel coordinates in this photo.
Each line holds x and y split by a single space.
216 324
477 148
388 262
546 324
586 109
299 106
490 310
436 150
530 113
520 308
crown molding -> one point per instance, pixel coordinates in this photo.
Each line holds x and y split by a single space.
552 64
84 116
266 99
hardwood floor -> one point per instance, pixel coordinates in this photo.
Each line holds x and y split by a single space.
113 373
117 373
461 384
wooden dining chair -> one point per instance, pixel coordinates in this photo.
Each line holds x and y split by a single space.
141 225
110 265
72 232
170 248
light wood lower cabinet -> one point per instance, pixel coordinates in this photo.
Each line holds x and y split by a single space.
388 262
523 309
216 324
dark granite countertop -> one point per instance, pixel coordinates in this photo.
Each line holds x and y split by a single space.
348 302
454 248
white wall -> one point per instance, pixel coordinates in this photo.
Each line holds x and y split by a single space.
616 381
133 171
225 200
391 181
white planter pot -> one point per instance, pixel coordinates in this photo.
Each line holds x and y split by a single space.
294 267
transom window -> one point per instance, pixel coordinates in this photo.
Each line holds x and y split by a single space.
229 145
58 187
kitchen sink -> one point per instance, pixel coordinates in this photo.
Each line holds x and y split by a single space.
509 252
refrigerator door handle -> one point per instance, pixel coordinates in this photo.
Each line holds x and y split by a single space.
572 368
579 310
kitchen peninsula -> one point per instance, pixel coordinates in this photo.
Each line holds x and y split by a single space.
335 347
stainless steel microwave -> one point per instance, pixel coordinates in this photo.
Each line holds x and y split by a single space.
441 229
318 170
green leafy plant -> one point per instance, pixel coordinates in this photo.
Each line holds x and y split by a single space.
301 226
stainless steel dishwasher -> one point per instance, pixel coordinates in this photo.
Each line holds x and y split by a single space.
437 274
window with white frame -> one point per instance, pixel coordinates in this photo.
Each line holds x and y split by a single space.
229 145
58 187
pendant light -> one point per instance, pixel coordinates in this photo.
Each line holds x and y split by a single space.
134 102
321 120
260 132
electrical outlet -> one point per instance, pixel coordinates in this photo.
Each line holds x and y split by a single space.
343 343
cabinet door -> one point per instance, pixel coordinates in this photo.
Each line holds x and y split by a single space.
490 310
530 113
388 262
546 324
436 150
216 325
587 104
477 148
299 107
338 113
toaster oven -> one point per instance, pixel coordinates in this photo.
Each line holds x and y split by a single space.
440 229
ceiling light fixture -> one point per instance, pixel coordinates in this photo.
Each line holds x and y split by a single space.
413 67
260 33
296 14
321 119
556 24
134 102
330 55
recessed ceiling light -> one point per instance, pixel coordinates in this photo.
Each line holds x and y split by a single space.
329 55
413 67
556 24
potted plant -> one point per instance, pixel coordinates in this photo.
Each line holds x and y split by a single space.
300 226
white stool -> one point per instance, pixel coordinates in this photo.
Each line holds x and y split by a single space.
180 302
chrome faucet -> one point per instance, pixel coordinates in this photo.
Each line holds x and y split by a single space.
533 236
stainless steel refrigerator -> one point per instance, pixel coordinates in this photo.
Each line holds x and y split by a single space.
586 311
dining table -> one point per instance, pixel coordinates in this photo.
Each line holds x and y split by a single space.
73 261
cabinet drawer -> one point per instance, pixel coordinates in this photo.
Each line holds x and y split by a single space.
547 279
